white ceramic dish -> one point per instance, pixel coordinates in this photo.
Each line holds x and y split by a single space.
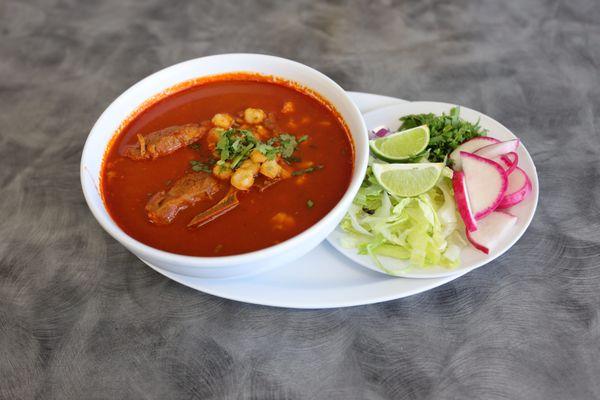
323 278
228 266
470 257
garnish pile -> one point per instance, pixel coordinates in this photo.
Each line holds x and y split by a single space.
411 204
446 132
235 146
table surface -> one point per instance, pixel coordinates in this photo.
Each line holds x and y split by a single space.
82 318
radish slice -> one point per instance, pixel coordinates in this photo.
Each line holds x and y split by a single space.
491 230
470 146
462 201
509 161
498 149
519 186
486 183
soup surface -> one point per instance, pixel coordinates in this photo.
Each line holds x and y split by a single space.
227 166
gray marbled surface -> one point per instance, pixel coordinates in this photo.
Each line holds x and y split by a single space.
81 318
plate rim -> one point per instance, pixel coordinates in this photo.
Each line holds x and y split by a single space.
195 283
292 305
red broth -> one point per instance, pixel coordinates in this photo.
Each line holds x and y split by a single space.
303 199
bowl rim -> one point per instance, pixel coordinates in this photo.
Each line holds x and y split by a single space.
218 262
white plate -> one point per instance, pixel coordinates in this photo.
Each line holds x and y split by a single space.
321 279
470 257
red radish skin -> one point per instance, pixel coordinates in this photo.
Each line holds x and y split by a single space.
519 186
509 161
491 230
486 183
478 246
470 146
462 201
498 149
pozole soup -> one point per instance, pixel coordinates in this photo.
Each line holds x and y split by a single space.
227 166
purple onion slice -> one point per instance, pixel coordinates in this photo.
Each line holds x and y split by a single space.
379 133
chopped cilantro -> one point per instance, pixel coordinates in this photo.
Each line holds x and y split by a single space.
235 145
268 150
307 170
287 145
310 203
293 159
198 166
446 131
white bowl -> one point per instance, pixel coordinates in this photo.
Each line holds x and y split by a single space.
236 265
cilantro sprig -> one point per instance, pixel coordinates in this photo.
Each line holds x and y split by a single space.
285 144
235 145
446 131
307 170
198 166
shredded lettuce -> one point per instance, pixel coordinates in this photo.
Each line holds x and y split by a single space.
421 230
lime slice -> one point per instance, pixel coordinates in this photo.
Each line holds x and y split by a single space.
407 180
401 145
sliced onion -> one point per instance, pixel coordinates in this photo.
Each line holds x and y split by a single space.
379 132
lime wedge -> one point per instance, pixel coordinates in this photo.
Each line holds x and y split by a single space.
407 180
401 145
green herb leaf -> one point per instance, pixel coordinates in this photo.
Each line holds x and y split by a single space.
307 170
310 203
287 145
198 166
269 151
235 146
446 132
293 159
